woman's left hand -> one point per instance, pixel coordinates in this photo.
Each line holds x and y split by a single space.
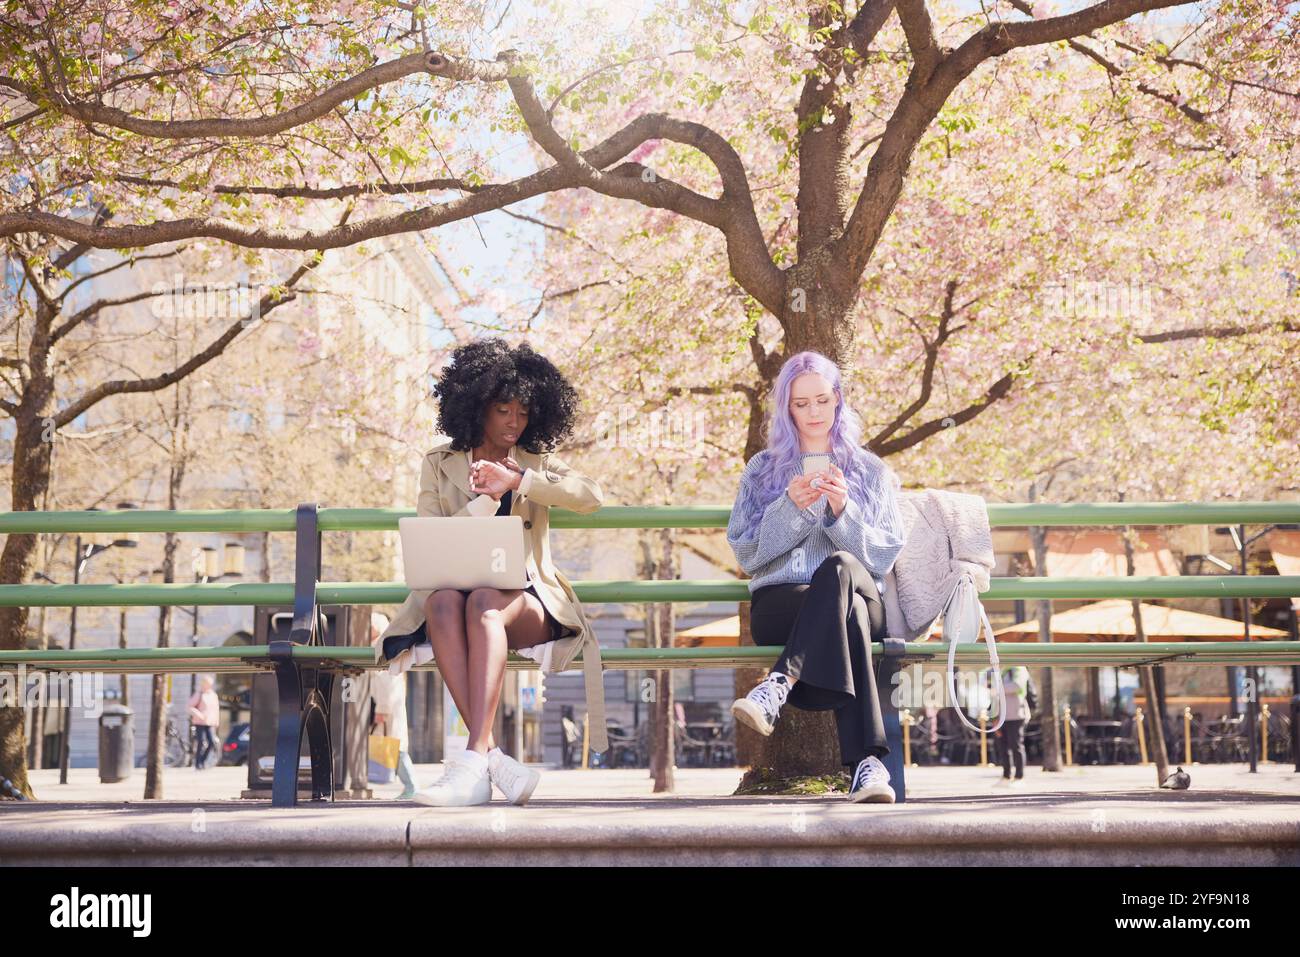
492 478
836 488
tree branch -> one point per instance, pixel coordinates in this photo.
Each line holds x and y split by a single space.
62 296
919 30
998 390
1116 71
433 63
267 303
310 192
1219 332
922 100
98 306
732 213
931 347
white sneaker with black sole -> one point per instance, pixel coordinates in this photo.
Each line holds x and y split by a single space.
514 780
760 708
871 783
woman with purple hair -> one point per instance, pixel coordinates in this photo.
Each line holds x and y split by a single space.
817 548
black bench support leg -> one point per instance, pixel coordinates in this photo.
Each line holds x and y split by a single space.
288 731
316 720
304 691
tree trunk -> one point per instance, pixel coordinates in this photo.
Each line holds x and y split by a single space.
1156 741
30 476
665 708
153 778
153 775
1050 720
122 643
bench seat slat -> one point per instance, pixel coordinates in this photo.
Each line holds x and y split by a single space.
971 655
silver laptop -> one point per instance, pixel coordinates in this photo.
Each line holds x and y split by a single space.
463 552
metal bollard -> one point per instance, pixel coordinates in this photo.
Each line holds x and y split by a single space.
984 740
1069 751
906 717
1187 737
1295 729
1263 733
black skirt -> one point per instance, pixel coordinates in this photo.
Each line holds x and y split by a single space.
394 645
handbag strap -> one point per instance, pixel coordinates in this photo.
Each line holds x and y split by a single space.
993 656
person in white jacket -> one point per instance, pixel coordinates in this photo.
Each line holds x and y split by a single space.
389 694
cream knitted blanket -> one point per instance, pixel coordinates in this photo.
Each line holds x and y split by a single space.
945 534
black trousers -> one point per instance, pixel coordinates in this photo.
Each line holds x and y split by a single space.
827 627
1011 743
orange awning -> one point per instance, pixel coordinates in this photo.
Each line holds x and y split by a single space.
1285 545
1112 620
1099 553
724 631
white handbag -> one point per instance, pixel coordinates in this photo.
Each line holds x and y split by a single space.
963 617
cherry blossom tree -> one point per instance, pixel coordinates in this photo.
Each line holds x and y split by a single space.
150 124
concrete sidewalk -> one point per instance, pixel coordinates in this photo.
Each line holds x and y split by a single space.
953 815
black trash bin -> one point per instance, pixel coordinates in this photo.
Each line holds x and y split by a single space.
116 743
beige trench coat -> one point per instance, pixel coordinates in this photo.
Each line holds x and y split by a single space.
445 490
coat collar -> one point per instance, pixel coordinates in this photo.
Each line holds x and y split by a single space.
455 465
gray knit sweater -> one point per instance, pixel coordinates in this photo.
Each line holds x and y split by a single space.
790 543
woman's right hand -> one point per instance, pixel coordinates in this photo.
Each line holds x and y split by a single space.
491 478
801 491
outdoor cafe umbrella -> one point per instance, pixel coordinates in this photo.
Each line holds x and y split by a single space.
1112 620
726 632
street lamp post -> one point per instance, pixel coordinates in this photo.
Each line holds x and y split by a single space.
84 554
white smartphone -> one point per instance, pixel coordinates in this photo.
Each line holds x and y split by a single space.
816 463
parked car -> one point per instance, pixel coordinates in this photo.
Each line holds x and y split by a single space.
235 748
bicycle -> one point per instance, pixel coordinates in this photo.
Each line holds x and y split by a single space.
180 748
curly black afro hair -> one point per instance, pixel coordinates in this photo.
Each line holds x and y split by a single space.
489 370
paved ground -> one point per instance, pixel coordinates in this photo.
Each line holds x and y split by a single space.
1095 815
923 783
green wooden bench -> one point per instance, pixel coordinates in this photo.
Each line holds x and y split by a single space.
305 666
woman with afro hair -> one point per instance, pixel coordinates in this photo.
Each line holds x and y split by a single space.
501 411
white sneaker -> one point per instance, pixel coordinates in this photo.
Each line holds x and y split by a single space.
514 780
464 782
760 708
871 782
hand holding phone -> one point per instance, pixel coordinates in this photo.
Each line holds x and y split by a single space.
814 464
836 489
803 489
801 492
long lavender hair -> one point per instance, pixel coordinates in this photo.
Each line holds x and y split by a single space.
863 469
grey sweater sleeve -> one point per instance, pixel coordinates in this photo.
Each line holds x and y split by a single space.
875 539
783 526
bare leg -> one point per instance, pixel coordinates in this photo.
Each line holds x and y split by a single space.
495 621
444 616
